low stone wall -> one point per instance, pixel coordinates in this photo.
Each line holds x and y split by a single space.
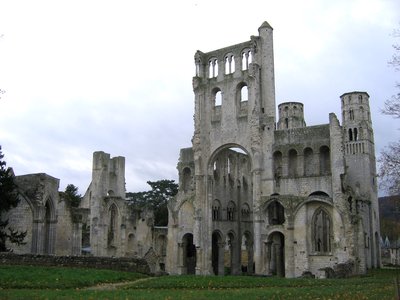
128 264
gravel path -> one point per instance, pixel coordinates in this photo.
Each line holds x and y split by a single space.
116 285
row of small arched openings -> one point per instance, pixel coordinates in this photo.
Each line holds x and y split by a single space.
352 114
229 64
310 162
231 211
354 134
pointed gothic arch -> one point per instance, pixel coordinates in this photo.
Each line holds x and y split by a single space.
112 225
321 231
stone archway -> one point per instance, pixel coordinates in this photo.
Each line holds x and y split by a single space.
275 248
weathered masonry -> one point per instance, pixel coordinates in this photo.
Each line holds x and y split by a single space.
265 196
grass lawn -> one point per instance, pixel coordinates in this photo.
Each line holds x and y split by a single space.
25 282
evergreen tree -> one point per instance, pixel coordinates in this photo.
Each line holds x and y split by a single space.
156 199
8 199
71 195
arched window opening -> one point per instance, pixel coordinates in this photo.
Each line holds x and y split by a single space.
230 211
324 160
198 62
216 210
276 213
350 134
309 165
187 179
244 94
246 59
277 167
112 227
229 64
228 165
213 68
355 134
351 114
321 231
361 113
292 165
131 243
360 98
218 98
245 212
286 123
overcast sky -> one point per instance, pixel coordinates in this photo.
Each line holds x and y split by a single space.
82 76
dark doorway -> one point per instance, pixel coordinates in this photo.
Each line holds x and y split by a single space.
276 254
216 254
189 258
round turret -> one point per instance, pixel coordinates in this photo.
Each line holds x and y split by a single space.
291 115
355 108
356 116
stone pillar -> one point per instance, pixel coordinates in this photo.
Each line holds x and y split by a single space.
199 260
52 236
280 267
76 239
257 220
221 254
181 258
250 254
36 236
289 253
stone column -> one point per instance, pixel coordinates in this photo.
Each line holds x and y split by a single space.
76 239
181 258
52 236
221 254
250 254
257 220
289 253
36 237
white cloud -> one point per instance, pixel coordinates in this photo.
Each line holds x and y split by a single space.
83 76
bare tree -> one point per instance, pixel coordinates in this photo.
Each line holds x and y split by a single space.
1 91
389 160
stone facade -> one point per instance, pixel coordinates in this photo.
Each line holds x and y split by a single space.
256 195
262 196
116 228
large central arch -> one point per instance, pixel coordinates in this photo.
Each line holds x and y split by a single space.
230 205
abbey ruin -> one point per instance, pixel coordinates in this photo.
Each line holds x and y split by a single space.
257 195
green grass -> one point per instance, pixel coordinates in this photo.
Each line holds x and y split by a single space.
32 277
22 282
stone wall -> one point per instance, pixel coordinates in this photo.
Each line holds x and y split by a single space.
121 264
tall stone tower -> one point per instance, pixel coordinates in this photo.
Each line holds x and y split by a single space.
360 172
106 197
